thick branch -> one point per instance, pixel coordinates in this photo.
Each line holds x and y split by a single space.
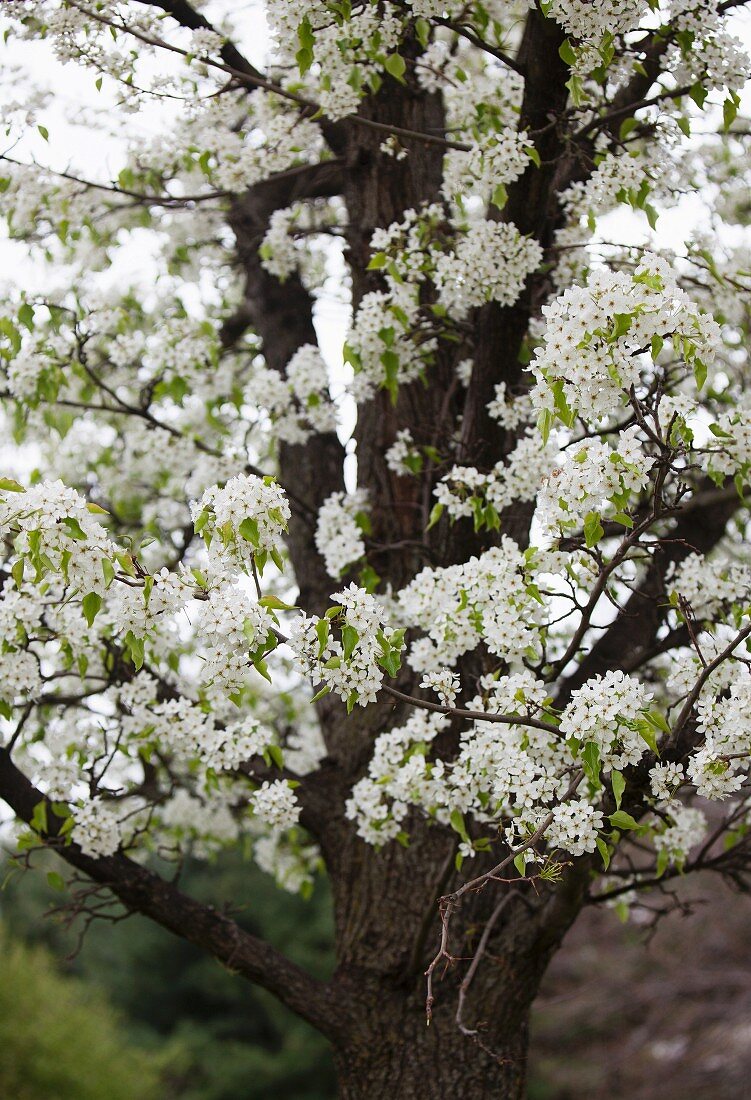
144 892
186 15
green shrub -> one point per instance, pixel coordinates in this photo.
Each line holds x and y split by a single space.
60 1039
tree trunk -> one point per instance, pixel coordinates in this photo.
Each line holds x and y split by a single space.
427 1065
387 932
397 1054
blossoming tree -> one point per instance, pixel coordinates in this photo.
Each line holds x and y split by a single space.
501 672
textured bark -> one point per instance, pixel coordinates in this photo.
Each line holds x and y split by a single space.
402 1057
378 190
389 1048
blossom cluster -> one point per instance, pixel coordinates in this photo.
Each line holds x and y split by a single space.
352 665
490 598
339 530
604 338
240 520
298 402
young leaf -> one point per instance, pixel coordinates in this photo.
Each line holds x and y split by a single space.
567 53
396 66
457 824
591 762
249 530
8 485
276 754
322 630
91 604
604 851
275 603
350 638
593 529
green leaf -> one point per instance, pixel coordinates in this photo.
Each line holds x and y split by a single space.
390 361
591 762
544 424
562 406
369 579
44 132
567 53
304 59
435 514
499 197
350 638
75 530
201 520
11 333
422 30
627 126
604 851
730 110
658 720
396 66
576 89
457 824
700 373
55 880
593 529
262 668
618 784
521 864
249 530
322 630
305 34
135 647
699 94
647 732
26 316
378 260
39 818
275 603
390 661
621 820
621 325
8 485
17 572
91 604
276 754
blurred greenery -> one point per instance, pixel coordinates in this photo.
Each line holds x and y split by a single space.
60 1039
212 1035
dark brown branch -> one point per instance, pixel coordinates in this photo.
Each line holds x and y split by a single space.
467 32
142 891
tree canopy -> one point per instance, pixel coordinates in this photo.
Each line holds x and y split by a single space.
458 613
